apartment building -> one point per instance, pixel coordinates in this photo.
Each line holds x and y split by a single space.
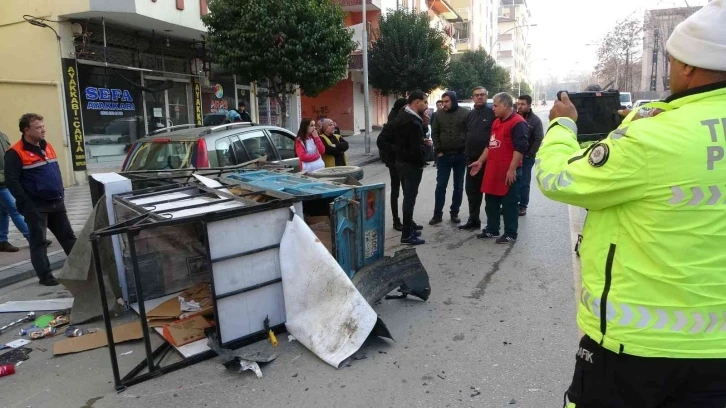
478 28
512 48
658 26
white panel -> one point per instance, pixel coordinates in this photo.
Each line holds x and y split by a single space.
244 314
247 232
179 203
160 197
203 210
245 271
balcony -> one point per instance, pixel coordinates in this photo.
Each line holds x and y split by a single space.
357 5
358 35
356 62
443 9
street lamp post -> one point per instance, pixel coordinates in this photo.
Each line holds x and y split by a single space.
366 96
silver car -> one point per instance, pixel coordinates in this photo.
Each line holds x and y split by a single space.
191 146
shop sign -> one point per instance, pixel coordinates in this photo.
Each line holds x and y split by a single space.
197 102
111 102
73 107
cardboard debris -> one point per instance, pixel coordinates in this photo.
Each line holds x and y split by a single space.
199 293
121 334
321 227
185 331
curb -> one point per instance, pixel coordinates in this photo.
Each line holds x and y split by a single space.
24 270
367 160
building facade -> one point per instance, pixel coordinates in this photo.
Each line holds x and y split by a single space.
512 48
478 28
344 102
105 73
658 26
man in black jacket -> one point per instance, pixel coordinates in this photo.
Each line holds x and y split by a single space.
535 136
478 131
409 140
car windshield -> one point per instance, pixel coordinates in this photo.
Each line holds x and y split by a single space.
151 155
624 98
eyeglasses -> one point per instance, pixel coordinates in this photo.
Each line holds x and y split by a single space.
479 95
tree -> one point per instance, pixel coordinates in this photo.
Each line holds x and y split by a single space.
522 88
407 54
287 44
618 55
477 68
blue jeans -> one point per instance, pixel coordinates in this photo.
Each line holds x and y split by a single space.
527 165
8 211
444 166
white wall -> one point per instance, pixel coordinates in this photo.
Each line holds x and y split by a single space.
358 108
165 10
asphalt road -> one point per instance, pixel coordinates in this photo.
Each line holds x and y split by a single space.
498 331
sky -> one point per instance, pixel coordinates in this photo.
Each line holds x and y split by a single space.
566 27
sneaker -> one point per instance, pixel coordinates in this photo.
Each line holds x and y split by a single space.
415 233
506 239
436 220
49 281
413 240
5 246
486 235
397 226
417 227
522 211
455 218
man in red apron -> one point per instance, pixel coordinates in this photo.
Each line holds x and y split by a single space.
503 172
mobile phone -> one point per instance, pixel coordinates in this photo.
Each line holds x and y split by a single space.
597 113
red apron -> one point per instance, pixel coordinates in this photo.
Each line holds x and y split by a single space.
501 151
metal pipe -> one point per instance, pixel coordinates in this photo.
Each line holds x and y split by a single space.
103 23
140 300
106 314
366 96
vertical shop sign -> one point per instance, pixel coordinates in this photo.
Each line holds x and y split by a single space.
197 102
73 107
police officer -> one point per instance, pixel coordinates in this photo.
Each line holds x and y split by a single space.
33 177
653 304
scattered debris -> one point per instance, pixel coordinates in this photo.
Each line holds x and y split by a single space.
290 338
441 376
30 316
534 389
381 352
512 402
126 353
294 375
458 319
239 365
475 393
506 343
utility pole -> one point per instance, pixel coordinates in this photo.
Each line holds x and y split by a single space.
366 97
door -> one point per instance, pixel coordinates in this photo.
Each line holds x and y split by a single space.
178 104
285 144
169 107
156 116
358 219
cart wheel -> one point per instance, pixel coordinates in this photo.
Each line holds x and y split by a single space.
337 172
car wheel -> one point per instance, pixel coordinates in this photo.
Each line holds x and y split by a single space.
340 171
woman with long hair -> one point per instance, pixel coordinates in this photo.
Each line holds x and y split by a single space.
308 147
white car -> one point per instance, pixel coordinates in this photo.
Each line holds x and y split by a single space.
626 100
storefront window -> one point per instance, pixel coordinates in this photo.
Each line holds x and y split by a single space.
112 111
218 99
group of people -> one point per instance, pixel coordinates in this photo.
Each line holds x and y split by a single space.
319 145
490 150
31 194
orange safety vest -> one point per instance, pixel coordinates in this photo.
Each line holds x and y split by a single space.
41 177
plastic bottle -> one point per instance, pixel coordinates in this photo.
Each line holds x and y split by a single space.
7 370
72 331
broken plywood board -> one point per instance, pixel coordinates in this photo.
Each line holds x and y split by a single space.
43 305
121 334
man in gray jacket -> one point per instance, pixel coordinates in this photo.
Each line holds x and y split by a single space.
449 139
535 136
7 205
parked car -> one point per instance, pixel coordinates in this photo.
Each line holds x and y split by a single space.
211 146
626 100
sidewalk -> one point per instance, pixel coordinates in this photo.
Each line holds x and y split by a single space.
16 266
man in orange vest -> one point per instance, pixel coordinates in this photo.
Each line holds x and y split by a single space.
33 176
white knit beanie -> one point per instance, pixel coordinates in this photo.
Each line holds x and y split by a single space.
700 40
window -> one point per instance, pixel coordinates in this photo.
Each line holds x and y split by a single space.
285 144
258 145
225 155
153 155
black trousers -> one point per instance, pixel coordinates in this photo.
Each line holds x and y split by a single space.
40 217
473 191
395 190
604 379
410 176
